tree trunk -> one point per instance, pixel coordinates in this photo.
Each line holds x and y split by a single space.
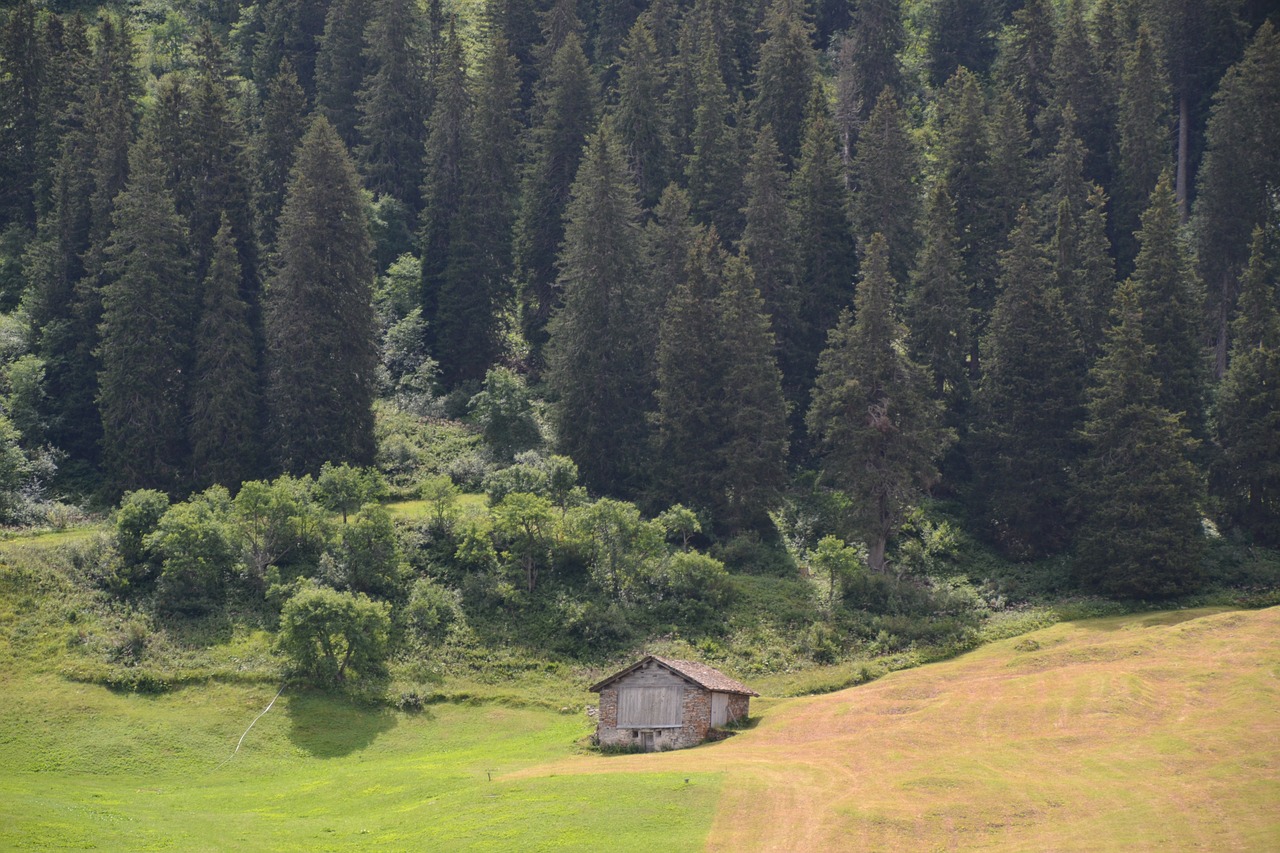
875 555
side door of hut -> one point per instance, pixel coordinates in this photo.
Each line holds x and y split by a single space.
719 709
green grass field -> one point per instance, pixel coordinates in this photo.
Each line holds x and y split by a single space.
88 768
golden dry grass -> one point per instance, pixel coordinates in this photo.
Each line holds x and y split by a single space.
1131 733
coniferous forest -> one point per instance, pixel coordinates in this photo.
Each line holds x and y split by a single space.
796 269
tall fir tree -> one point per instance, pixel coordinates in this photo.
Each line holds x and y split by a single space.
595 364
287 30
395 100
767 247
341 65
720 427
66 264
1076 80
1024 61
225 417
1145 145
475 283
878 431
1246 473
280 129
869 62
1137 492
785 74
563 116
21 79
444 170
639 118
826 260
1237 178
1084 270
142 385
1169 298
754 449
690 420
963 164
321 356
713 171
959 35
1029 406
937 305
884 174
669 237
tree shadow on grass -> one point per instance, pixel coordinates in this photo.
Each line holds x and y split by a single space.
332 725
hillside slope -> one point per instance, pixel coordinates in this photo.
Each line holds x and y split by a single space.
1156 732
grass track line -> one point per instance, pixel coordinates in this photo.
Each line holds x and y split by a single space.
251 725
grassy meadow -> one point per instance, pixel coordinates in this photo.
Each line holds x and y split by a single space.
1149 731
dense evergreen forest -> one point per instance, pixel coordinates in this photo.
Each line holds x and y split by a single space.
1020 257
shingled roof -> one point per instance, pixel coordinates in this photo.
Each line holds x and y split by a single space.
697 673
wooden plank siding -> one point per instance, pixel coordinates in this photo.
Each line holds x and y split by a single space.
649 707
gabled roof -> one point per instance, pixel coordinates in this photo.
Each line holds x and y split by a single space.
696 673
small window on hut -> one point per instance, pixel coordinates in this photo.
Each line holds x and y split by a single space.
648 707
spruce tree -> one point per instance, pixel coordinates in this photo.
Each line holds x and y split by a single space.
713 171
340 67
754 448
216 178
288 31
669 237
1247 408
394 101
1083 268
1238 175
767 247
690 418
639 118
279 132
1145 143
825 250
785 74
1028 406
66 265
937 305
870 58
1076 80
595 364
142 385
1169 298
1137 492
885 193
444 169
21 73
225 417
959 35
876 427
564 115
720 436
475 283
1024 61
321 355
963 165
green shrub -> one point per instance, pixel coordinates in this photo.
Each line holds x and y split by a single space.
431 609
139 515
331 637
195 543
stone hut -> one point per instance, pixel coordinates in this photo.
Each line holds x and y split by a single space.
661 703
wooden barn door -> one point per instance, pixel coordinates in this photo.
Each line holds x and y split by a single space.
719 709
646 740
